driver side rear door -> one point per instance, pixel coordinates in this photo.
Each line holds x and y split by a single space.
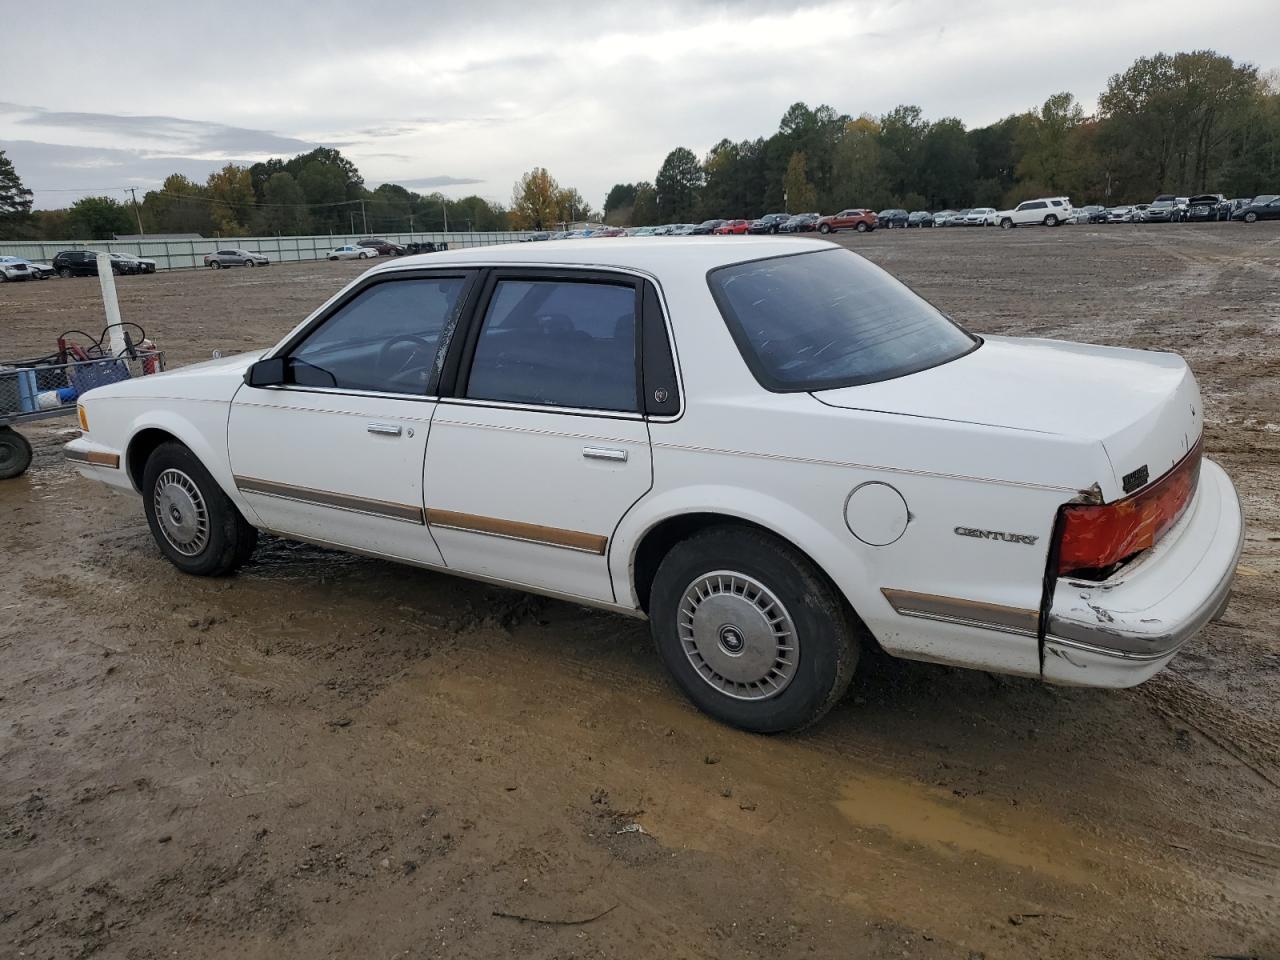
335 454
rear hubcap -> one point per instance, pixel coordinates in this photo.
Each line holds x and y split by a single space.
738 636
181 513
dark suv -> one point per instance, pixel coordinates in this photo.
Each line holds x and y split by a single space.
385 248
1207 207
81 263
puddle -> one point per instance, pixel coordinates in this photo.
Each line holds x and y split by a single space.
928 816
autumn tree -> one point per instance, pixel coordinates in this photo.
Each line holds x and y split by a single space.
230 192
801 197
179 206
536 200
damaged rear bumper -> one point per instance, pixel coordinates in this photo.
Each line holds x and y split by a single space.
1122 631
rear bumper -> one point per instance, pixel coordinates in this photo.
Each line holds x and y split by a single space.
1122 631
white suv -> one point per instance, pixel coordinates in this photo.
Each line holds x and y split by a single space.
1050 211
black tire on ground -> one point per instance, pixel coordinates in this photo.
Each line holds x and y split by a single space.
364 256
824 228
175 480
15 454
1051 221
333 258
1006 224
862 227
824 645
250 263
216 264
1250 217
65 273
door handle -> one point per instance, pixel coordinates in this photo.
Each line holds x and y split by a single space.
605 453
387 429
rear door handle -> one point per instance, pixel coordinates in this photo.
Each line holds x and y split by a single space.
605 453
386 429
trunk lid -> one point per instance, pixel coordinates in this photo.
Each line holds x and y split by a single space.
1143 407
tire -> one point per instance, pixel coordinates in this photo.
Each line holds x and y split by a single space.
863 228
1006 224
334 259
15 454
1051 221
215 264
250 263
824 635
1251 217
175 481
65 273
824 228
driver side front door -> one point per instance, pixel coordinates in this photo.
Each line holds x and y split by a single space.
335 454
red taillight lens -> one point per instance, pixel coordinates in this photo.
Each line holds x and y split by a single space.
1098 537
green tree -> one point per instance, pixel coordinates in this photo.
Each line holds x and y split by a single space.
801 197
679 183
179 206
325 188
949 166
645 211
284 209
99 218
15 202
1043 140
902 134
858 178
536 201
620 195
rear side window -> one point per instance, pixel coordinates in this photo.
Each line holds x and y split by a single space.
816 321
385 339
561 343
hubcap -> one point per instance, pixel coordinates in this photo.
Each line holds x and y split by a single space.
181 513
738 636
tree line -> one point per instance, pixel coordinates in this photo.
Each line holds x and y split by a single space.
313 193
1179 123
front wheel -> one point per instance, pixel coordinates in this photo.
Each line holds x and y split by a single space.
752 632
824 228
15 454
1250 217
193 521
364 256
250 263
1006 224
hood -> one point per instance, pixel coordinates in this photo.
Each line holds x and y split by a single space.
1143 407
209 380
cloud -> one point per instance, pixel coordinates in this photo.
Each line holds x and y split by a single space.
419 183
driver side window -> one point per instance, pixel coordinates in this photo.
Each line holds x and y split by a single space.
385 339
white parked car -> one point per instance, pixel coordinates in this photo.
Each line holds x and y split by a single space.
19 268
1050 211
770 448
981 217
352 252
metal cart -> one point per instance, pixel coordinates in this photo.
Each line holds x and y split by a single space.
41 387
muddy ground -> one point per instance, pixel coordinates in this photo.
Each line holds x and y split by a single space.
330 756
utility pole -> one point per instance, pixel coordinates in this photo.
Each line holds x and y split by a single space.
364 217
445 209
136 212
353 220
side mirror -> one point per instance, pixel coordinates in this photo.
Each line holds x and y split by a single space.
266 373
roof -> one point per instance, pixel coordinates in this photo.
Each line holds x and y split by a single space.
647 254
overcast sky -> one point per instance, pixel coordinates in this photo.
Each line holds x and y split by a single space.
465 96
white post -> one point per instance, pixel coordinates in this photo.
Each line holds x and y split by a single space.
107 281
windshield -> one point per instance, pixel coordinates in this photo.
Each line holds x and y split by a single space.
816 321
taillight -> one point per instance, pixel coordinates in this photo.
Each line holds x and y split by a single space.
1097 537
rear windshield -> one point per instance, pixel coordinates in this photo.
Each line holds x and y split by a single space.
816 321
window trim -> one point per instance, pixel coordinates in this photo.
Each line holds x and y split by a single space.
467 274
458 364
762 376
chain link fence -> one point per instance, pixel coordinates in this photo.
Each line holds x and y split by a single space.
179 254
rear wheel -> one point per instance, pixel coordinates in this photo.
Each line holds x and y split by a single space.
1051 221
752 632
216 264
863 228
194 523
15 454
1250 217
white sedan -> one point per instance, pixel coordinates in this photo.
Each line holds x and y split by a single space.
351 252
769 448
19 268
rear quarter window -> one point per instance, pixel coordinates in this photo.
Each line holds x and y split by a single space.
827 319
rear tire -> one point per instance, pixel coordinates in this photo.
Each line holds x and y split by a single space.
216 264
752 632
1250 217
1051 221
15 454
863 228
194 523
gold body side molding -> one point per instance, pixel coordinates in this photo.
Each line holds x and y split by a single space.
326 498
973 613
515 530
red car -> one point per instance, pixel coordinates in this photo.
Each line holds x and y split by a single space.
732 227
609 232
860 220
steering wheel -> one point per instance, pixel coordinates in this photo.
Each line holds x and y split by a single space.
384 355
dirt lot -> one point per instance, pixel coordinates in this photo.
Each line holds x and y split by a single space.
331 756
